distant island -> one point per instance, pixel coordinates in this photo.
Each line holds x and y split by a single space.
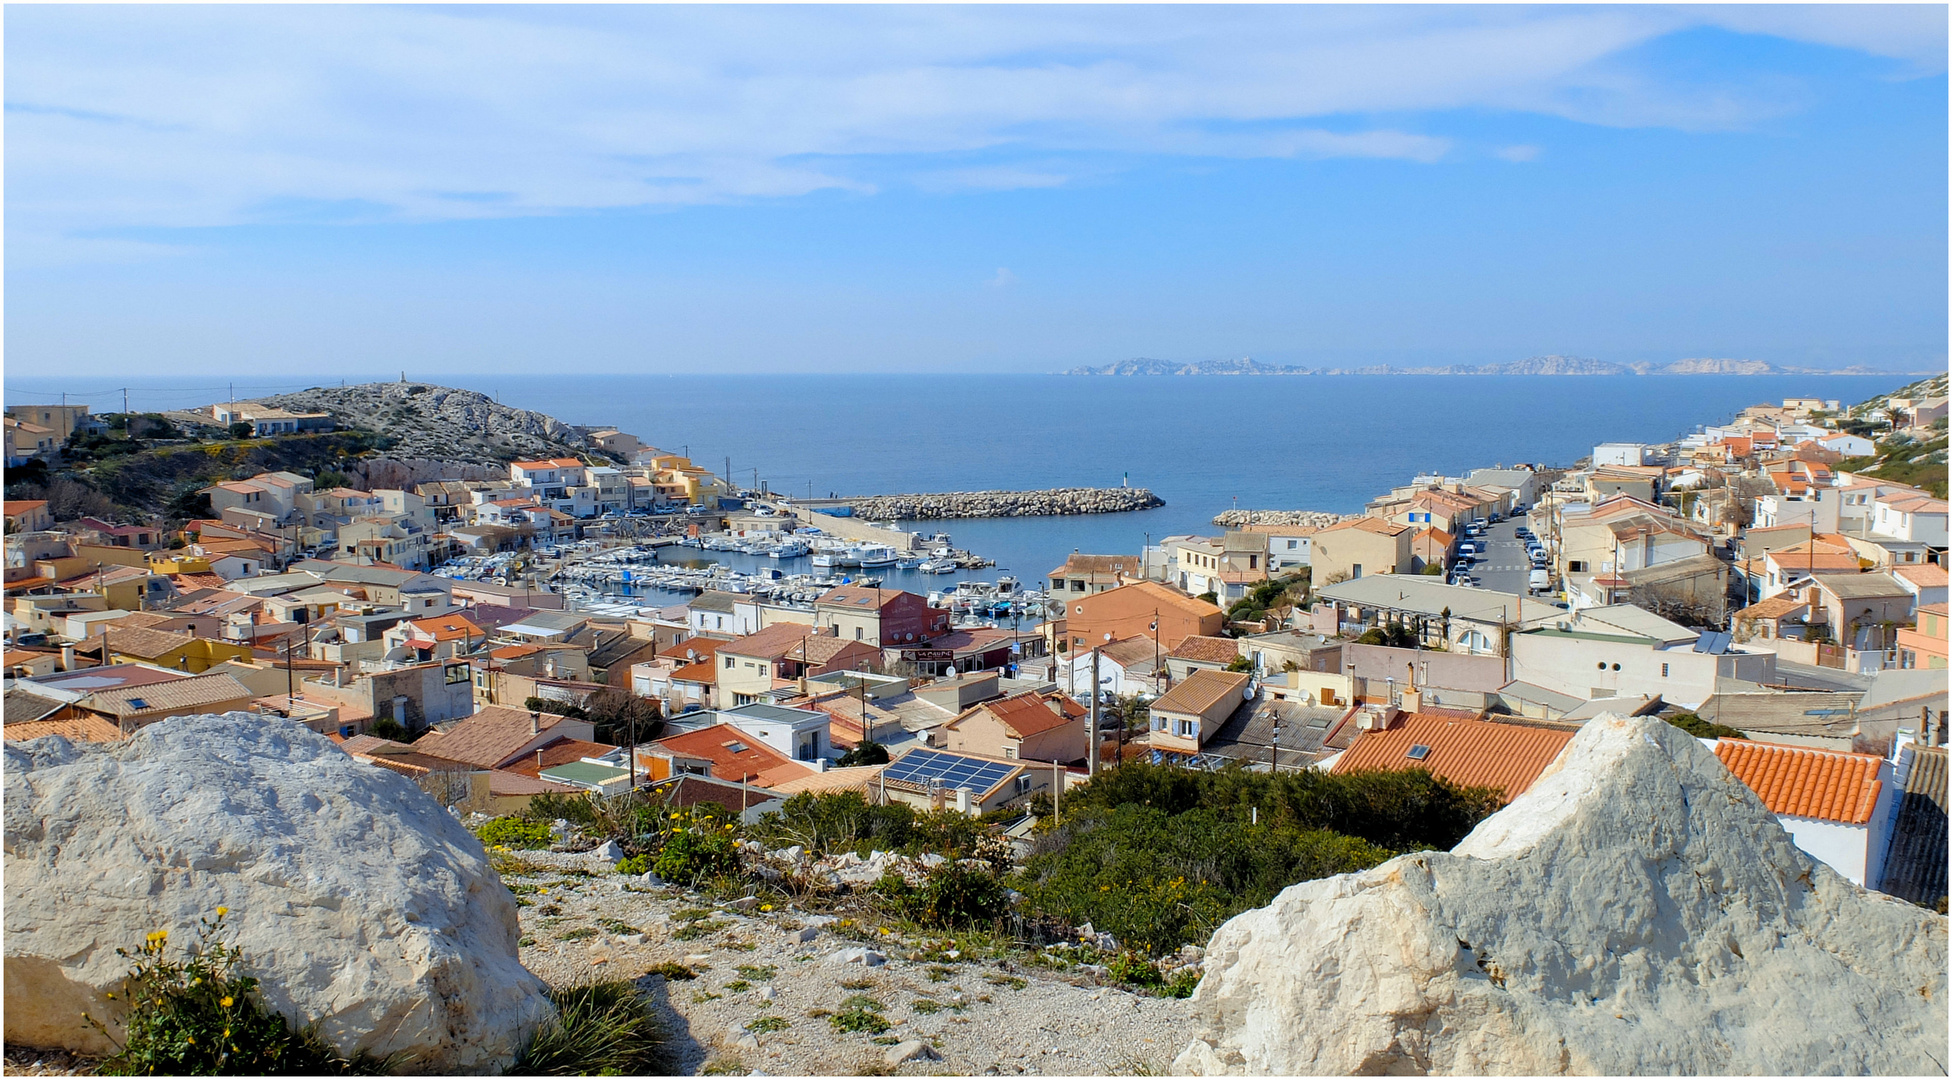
1537 365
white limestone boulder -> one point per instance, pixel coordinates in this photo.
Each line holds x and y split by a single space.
1637 911
359 903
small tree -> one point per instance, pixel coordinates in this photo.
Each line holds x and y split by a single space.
240 430
387 727
867 752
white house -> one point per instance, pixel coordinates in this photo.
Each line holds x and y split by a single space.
1619 453
1623 651
1816 507
800 734
1911 518
1837 807
1848 445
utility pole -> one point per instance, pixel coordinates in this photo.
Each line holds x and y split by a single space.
1091 748
1274 748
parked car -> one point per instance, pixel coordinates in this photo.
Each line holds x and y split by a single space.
1541 578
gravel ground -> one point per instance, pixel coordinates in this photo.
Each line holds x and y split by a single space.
761 999
21 1061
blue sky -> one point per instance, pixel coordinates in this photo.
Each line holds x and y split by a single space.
348 190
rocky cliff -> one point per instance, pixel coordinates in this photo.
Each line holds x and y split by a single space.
1637 911
440 422
357 900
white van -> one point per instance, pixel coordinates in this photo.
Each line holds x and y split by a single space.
1541 579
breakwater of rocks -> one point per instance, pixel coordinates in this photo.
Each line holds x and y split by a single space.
1320 519
995 504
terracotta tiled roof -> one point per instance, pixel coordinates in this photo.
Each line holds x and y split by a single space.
1138 655
774 642
84 728
447 628
1369 524
560 752
734 754
703 648
551 463
486 739
1199 691
1801 782
1211 650
852 778
1922 575
146 644
169 698
1027 714
1773 608
1473 753
853 596
1077 564
506 783
704 671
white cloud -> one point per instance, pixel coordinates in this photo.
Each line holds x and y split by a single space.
1002 279
182 116
1519 153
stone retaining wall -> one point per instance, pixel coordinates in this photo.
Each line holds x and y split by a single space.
1321 519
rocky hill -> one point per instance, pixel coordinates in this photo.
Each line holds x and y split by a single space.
441 422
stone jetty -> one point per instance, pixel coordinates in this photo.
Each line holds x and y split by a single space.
1320 519
995 504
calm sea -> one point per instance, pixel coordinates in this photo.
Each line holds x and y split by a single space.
1200 443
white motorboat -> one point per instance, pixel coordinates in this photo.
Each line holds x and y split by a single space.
790 548
825 557
938 566
875 555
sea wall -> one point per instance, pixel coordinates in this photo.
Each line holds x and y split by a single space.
995 504
1320 519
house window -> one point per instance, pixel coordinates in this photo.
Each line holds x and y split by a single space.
1576 566
857 633
730 663
1009 751
1663 671
1023 783
1355 570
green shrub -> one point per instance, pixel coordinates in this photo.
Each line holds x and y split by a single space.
1157 880
859 1013
767 1024
673 971
845 821
1703 729
600 1029
696 851
513 832
201 1017
1182 984
953 896
634 864
1135 969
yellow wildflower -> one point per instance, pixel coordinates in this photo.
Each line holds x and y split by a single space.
765 907
227 1002
191 1039
222 911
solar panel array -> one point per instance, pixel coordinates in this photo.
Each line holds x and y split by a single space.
923 767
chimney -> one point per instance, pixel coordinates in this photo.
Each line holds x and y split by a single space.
68 658
535 722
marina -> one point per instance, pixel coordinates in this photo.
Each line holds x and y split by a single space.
626 579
